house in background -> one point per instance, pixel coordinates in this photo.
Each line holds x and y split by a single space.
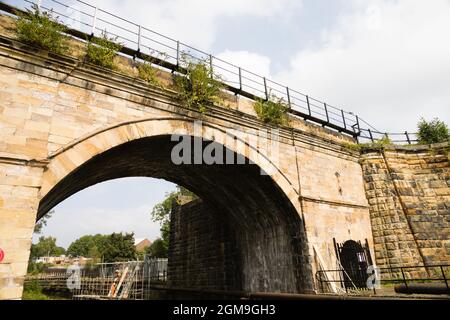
64 260
141 244
53 260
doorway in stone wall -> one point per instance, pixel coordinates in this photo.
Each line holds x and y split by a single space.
354 259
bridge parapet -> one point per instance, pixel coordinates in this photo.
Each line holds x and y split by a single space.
168 53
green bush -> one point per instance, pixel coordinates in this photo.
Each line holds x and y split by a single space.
35 268
200 87
272 111
32 290
102 51
42 29
435 131
149 74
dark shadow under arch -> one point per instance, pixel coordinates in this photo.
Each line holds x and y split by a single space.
267 228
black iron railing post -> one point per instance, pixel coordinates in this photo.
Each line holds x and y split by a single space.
326 112
288 97
407 137
240 79
357 124
265 89
343 119
139 39
211 66
309 106
371 135
94 21
178 53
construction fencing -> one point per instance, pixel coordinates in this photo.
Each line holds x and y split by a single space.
106 281
120 281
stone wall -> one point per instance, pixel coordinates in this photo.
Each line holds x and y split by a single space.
203 252
334 203
19 186
211 249
409 195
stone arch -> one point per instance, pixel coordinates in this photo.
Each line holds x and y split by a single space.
68 158
261 212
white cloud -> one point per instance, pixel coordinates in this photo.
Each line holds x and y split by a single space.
250 61
194 22
388 61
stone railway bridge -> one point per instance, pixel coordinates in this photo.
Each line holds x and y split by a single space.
66 125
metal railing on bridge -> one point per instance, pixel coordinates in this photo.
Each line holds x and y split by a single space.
432 278
372 136
86 20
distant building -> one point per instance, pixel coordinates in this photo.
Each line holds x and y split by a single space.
81 261
142 244
63 260
54 260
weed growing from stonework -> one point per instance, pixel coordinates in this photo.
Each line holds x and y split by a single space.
377 144
200 87
149 74
273 110
102 51
42 29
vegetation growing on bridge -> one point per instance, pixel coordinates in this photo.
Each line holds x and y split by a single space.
102 51
377 145
200 87
42 29
149 74
429 132
274 110
434 131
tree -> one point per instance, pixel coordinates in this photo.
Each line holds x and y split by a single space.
42 222
434 131
46 247
157 249
88 245
161 211
107 248
119 247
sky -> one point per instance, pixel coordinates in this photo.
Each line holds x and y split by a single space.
385 60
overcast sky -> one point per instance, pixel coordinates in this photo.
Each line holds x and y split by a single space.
388 61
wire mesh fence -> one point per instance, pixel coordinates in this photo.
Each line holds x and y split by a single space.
130 280
122 280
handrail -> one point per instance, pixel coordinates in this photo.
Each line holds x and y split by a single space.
399 270
250 85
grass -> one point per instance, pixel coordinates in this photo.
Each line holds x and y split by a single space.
33 291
